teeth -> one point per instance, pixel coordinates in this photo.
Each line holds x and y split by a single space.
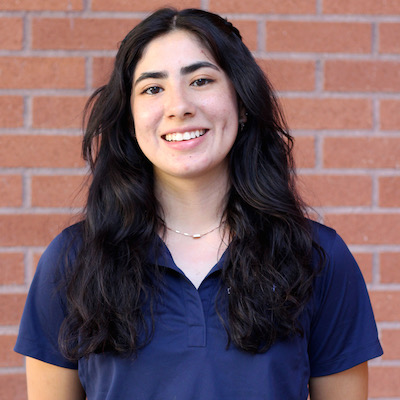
179 137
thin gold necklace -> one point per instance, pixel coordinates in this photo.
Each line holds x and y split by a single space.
196 235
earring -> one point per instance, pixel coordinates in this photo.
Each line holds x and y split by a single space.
242 121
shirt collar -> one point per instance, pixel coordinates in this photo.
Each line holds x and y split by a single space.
159 254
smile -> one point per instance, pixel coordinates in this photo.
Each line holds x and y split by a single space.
179 137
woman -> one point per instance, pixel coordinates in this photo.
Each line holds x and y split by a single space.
194 273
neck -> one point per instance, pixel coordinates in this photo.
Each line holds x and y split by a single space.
192 205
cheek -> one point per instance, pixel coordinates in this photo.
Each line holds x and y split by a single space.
140 117
145 121
225 107
223 111
142 133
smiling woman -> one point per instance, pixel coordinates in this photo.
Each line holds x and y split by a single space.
195 272
185 109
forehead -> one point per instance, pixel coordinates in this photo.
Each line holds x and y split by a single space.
176 48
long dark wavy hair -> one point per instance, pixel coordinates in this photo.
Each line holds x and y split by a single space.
111 288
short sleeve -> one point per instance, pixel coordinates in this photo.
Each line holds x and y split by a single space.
343 329
44 309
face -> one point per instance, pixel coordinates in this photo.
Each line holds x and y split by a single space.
184 107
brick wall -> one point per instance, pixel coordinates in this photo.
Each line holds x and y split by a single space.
336 64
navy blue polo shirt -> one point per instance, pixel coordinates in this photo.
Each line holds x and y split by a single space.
187 357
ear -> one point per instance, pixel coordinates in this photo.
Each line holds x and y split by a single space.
243 117
242 113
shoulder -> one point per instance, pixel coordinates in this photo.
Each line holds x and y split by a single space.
339 285
323 235
340 278
45 307
69 237
335 250
343 331
62 249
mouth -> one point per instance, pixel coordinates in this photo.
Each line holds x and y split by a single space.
181 136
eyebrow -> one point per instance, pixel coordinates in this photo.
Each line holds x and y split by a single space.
184 71
194 67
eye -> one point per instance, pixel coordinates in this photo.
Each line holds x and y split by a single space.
152 90
201 82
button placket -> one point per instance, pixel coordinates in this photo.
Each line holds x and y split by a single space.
196 324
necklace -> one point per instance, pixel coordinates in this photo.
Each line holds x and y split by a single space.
196 235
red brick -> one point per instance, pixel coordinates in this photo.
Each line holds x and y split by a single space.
389 38
336 190
58 191
389 191
362 76
366 228
11 111
385 305
11 307
8 358
267 7
10 190
58 112
12 269
140 5
80 33
362 7
304 151
11 33
390 114
290 75
364 261
384 382
42 72
40 151
390 268
340 152
248 31
390 339
45 5
311 113
101 71
13 386
318 37
31 229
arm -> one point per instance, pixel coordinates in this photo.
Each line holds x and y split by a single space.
47 382
351 384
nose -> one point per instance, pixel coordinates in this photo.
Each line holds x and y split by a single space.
179 103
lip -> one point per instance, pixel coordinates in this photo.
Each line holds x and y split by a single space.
185 145
183 131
